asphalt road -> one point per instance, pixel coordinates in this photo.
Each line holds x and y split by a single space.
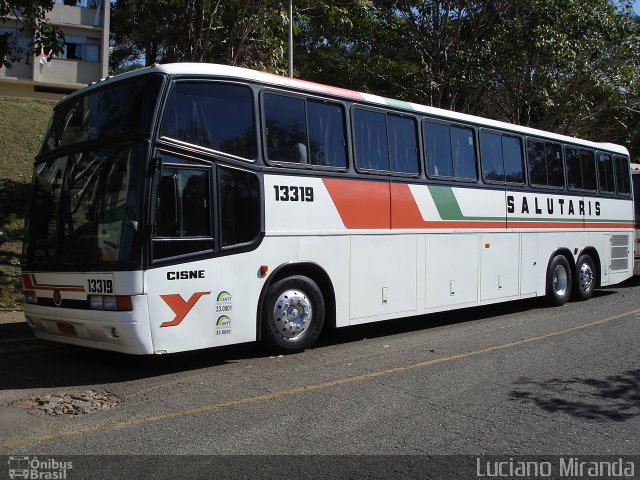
510 379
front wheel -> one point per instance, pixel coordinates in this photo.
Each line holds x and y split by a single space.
585 278
292 314
558 281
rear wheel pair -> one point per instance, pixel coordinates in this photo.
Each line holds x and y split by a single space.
563 283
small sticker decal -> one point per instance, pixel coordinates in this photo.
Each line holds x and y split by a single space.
223 302
224 306
223 325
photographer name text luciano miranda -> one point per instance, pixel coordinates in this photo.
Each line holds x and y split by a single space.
568 467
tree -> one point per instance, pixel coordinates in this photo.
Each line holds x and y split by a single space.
249 33
27 16
563 62
430 51
571 67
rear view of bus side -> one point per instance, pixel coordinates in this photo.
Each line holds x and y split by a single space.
244 206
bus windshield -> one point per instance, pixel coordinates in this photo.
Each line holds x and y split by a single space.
119 109
85 208
87 185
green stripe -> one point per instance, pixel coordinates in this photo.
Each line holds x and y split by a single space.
446 203
397 104
449 208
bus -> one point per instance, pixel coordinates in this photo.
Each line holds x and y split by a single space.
188 206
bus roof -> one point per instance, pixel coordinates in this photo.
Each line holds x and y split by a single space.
239 73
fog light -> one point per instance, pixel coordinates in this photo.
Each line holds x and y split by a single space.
95 302
114 332
30 297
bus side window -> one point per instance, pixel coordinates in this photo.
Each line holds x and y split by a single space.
581 170
286 128
167 206
623 186
513 160
492 159
403 144
370 132
437 146
605 173
463 153
545 163
537 163
555 172
385 142
239 206
182 212
216 116
327 138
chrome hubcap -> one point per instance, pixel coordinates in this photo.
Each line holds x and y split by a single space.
292 314
560 280
586 277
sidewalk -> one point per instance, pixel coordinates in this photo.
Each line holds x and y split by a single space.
11 317
14 330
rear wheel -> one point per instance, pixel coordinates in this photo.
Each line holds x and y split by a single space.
558 281
585 278
292 314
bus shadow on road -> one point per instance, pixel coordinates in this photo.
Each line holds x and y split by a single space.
57 365
613 398
429 321
48 365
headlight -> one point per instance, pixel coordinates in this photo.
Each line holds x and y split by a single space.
120 303
30 296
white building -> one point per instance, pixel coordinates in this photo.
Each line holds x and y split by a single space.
85 57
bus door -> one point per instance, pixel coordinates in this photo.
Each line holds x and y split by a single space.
180 291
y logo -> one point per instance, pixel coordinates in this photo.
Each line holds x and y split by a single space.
180 307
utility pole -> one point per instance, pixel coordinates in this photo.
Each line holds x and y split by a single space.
291 38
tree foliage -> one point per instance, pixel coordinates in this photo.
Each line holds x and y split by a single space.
571 66
28 16
236 32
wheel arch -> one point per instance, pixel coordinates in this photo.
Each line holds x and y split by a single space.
566 253
307 269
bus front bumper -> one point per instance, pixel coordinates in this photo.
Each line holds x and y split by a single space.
126 332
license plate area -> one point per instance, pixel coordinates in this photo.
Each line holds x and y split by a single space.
66 328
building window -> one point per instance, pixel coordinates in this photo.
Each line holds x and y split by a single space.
81 48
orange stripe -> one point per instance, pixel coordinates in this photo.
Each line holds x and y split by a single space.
361 204
578 225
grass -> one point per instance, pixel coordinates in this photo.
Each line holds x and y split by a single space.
23 123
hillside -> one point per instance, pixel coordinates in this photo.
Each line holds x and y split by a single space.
23 123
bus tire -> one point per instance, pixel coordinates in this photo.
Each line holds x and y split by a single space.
585 278
558 281
292 314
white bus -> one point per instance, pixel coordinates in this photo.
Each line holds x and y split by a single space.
189 206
